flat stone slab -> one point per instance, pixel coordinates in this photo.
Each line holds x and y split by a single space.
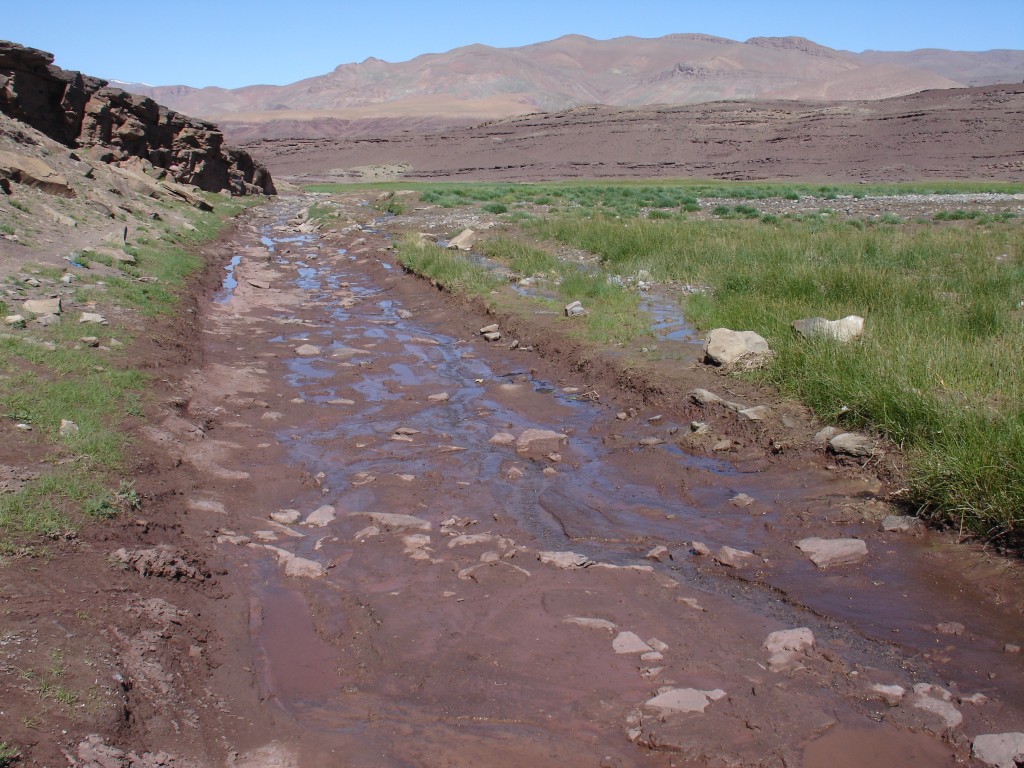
567 561
540 441
590 623
826 553
321 517
395 522
683 700
630 642
307 350
42 306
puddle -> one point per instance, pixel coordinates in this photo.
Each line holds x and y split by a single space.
228 285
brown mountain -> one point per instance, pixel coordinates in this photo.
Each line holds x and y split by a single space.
479 82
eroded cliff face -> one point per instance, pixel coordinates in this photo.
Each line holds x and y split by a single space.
82 112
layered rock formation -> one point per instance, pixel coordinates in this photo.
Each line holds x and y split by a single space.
82 112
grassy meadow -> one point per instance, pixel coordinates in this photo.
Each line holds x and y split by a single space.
939 371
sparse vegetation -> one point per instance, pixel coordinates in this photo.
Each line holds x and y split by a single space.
41 386
9 754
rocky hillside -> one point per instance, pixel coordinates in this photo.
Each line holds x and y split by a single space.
113 126
480 82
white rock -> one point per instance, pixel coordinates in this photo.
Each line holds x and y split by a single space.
846 329
42 306
308 350
68 428
1002 750
681 700
757 413
575 309
462 241
826 553
734 558
440 397
15 321
321 517
741 500
630 642
92 318
540 442
367 533
492 328
589 623
298 567
852 444
659 554
728 347
565 560
493 336
800 639
890 694
286 516
948 715
502 438
394 522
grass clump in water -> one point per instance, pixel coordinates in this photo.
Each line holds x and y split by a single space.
452 270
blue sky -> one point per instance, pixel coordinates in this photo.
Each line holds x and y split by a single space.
230 43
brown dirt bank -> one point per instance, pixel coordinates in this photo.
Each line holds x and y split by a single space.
949 134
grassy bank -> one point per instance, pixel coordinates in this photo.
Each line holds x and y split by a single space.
939 371
612 312
49 375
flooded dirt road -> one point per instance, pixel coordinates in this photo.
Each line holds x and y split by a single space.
458 554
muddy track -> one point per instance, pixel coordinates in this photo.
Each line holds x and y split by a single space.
388 572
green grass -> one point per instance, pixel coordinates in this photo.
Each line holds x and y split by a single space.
451 269
388 203
9 754
939 371
627 198
84 474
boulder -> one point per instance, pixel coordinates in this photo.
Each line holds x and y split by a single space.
575 309
826 553
743 349
1002 750
42 306
463 241
540 442
852 444
32 172
846 329
734 558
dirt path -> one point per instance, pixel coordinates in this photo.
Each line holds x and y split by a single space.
410 581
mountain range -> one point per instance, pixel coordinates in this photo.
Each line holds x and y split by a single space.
478 82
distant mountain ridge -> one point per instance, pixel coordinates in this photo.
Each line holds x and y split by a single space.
479 82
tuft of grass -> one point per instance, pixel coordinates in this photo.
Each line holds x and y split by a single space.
9 754
450 269
389 203
520 258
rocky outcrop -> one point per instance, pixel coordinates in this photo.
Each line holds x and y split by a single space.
81 112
